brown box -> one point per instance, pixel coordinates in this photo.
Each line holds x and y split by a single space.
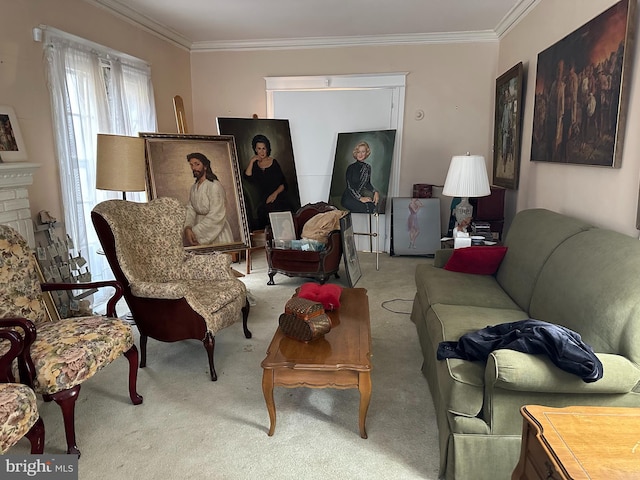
422 190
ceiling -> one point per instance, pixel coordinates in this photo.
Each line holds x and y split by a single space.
251 24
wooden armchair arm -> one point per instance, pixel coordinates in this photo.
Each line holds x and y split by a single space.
26 337
111 303
15 348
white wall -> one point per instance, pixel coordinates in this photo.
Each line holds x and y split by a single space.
453 84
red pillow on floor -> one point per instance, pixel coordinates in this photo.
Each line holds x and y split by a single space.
479 260
328 294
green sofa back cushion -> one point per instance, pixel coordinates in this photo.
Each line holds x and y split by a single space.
591 284
532 237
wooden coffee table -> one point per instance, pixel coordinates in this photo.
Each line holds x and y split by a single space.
339 360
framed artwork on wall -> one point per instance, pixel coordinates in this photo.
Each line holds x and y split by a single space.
582 90
12 147
508 128
214 204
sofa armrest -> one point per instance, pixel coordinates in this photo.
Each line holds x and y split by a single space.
512 370
442 256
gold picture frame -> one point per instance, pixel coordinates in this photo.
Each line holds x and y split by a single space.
169 175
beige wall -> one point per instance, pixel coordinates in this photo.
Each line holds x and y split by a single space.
22 78
453 84
605 196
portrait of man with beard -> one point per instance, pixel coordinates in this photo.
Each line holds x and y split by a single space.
206 222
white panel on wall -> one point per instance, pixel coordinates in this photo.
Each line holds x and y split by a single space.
318 108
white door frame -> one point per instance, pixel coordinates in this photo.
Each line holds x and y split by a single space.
396 82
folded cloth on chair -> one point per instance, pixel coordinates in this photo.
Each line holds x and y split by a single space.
564 347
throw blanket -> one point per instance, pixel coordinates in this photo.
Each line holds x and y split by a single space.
564 347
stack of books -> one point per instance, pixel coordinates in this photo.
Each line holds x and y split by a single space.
482 229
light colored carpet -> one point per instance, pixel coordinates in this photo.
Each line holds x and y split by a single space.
191 428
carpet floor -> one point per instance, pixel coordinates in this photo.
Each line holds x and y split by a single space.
191 428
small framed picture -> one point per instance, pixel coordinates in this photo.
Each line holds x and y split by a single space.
351 262
282 226
12 147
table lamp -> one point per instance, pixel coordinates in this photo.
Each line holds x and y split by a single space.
120 164
467 177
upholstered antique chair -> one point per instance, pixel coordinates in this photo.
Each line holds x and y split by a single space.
318 265
173 294
18 407
58 356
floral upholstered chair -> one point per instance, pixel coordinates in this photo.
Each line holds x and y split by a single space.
58 356
172 294
18 407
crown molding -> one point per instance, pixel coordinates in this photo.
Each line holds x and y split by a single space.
133 17
160 30
329 42
513 17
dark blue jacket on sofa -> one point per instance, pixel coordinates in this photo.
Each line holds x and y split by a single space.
564 347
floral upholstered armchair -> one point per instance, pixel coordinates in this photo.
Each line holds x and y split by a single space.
172 294
18 407
58 356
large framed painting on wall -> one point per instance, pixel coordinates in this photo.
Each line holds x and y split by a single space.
507 128
264 148
202 173
582 90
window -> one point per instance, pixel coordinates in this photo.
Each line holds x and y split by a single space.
93 90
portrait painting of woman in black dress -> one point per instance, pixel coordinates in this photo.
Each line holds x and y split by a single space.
265 155
361 171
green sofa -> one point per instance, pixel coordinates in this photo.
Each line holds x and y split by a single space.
557 269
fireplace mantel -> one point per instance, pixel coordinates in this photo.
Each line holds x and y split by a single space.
14 197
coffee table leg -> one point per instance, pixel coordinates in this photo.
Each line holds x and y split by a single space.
267 390
364 386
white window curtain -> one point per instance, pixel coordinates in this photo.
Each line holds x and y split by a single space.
93 90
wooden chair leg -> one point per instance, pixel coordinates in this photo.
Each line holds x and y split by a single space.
66 399
132 357
209 343
248 256
143 350
245 318
36 437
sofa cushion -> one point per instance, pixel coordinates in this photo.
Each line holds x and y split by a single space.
532 237
591 284
437 285
477 260
461 382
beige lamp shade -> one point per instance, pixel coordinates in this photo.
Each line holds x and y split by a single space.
467 177
120 163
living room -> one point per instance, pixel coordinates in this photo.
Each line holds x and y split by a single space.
452 82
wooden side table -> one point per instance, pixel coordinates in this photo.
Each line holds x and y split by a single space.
596 443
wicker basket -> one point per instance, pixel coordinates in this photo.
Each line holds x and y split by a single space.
304 320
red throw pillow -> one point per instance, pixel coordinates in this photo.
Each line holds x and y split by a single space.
328 295
479 260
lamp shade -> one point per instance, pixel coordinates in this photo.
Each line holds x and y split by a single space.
120 163
467 177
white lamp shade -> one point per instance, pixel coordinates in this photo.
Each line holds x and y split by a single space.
120 163
467 177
